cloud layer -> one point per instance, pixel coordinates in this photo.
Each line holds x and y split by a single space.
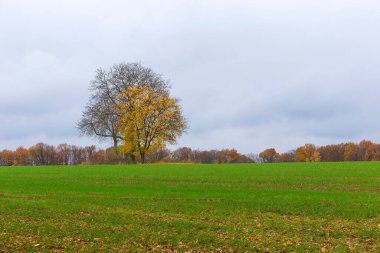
250 74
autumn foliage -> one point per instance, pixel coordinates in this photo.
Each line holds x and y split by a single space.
363 151
269 155
64 154
149 119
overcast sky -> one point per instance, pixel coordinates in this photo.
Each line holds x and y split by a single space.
250 74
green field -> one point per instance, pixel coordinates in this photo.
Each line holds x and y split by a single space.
315 207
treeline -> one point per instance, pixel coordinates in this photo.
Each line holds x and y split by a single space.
64 154
363 151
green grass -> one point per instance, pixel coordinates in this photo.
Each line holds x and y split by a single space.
319 207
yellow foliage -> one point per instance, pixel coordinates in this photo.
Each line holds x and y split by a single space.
149 120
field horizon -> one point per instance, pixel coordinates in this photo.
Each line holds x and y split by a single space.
283 207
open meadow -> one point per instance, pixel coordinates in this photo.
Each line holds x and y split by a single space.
301 207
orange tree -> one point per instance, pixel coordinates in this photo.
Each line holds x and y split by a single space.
269 155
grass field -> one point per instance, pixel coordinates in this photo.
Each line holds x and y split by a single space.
316 207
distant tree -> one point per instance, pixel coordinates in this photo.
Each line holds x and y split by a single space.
233 155
227 156
372 153
42 154
207 156
245 159
351 152
332 153
316 157
21 156
88 153
286 157
269 155
305 153
7 158
99 157
364 146
76 155
64 154
181 155
158 155
111 157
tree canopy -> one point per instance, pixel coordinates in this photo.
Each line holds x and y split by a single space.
127 98
149 119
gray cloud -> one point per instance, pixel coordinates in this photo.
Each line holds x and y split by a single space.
250 74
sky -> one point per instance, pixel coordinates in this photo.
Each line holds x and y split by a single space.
250 74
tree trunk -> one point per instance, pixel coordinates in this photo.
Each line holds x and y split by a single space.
133 158
115 144
142 155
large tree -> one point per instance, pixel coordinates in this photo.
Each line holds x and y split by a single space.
101 117
149 119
